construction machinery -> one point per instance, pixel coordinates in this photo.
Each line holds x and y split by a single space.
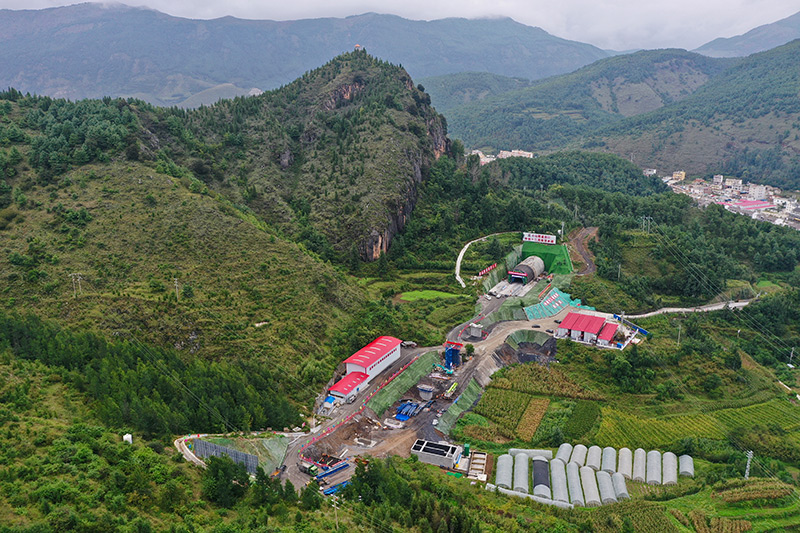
448 371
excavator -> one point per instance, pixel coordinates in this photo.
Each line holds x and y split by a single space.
448 371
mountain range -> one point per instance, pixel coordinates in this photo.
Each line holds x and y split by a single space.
93 50
668 109
758 39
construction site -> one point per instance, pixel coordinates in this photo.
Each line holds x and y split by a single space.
394 398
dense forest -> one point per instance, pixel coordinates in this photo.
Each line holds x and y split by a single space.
150 389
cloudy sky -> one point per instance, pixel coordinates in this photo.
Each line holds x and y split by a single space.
615 24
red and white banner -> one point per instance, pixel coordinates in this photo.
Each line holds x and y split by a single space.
539 237
487 270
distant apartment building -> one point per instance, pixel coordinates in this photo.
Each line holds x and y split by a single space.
734 184
679 175
757 192
718 182
649 172
504 154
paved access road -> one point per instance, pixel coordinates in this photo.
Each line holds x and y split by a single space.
464 250
733 304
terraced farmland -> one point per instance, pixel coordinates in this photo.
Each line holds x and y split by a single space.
778 411
621 429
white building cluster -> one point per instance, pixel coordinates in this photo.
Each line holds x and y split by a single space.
504 154
761 202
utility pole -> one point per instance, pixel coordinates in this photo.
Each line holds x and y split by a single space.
76 284
177 296
679 334
562 229
791 356
619 271
336 511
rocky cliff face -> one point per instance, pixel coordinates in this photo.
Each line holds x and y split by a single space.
379 239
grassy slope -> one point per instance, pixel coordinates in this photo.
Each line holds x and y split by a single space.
148 228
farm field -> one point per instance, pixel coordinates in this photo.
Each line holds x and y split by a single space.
532 417
413 296
620 429
623 429
537 379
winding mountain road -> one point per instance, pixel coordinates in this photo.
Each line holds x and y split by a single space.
580 241
464 250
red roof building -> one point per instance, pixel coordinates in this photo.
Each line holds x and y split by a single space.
349 384
607 335
375 356
582 323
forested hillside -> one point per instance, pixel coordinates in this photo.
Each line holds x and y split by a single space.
666 109
464 88
551 112
92 50
212 232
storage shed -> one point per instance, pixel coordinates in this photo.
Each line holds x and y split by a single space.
669 469
574 484
607 494
521 473
594 457
589 484
541 477
654 467
639 459
578 455
625 462
686 465
564 451
620 489
558 480
505 469
609 463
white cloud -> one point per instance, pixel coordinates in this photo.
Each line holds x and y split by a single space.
616 24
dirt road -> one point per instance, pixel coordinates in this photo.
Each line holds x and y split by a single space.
580 241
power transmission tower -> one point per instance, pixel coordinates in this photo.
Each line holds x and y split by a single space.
646 223
747 468
76 284
177 296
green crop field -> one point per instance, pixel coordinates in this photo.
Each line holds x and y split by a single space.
620 429
504 407
779 412
413 296
623 429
